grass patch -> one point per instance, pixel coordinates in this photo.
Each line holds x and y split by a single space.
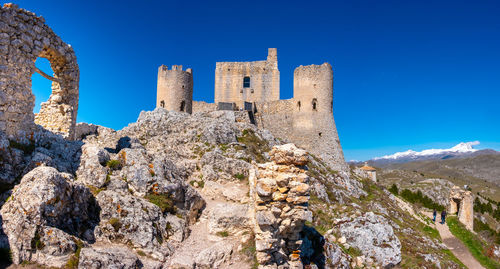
200 183
114 164
36 243
431 232
141 253
472 242
240 176
75 258
255 145
116 223
223 234
249 250
163 201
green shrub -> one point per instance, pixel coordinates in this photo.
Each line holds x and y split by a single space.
114 164
75 258
36 243
163 201
240 176
116 223
223 234
394 189
141 253
26 148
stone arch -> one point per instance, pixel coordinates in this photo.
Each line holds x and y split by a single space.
25 38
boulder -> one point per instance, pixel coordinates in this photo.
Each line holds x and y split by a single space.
288 154
46 215
373 235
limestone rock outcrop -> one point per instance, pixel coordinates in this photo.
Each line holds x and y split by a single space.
46 215
374 236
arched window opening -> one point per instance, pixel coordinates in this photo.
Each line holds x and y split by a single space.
41 82
298 105
183 86
246 82
315 104
320 134
162 103
183 104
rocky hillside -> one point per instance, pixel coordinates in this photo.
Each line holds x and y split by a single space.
175 190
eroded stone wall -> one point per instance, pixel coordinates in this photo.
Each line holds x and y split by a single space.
23 38
264 80
461 202
280 193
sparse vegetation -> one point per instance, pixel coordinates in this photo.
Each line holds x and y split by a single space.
141 253
254 144
163 201
75 258
26 148
223 233
36 243
116 223
240 176
114 164
200 183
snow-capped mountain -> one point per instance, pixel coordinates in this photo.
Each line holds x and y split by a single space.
463 147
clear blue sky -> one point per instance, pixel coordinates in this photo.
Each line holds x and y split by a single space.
408 74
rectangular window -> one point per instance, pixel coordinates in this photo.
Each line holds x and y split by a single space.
246 82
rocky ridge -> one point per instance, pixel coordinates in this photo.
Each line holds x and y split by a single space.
174 190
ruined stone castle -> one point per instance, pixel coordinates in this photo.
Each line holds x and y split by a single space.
306 119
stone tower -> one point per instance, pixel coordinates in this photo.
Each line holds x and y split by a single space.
175 89
239 82
313 124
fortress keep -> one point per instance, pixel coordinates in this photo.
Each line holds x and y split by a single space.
306 119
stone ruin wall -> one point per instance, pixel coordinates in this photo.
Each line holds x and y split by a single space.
461 202
201 106
24 37
175 88
279 191
264 80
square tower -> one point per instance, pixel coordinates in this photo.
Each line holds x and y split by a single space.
239 82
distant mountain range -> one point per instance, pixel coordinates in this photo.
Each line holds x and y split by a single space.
461 150
461 162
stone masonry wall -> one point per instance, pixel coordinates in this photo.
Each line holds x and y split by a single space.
23 38
264 80
280 193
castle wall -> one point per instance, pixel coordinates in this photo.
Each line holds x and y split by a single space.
200 106
175 89
264 80
24 38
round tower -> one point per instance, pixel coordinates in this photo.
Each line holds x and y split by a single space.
175 89
313 124
313 88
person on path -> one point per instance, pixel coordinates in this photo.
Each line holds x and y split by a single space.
434 213
443 217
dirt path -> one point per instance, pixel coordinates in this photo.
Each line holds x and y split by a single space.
455 245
